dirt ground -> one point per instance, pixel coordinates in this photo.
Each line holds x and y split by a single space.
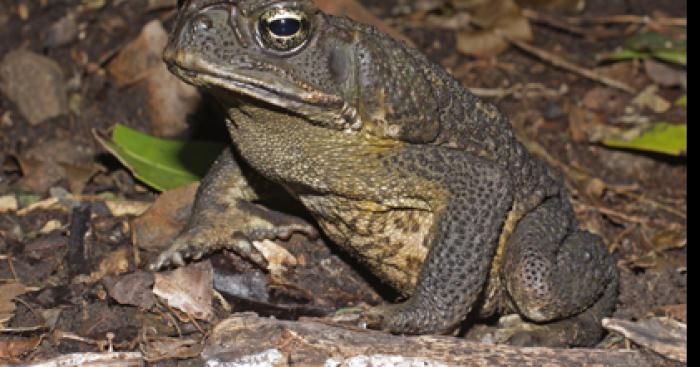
68 249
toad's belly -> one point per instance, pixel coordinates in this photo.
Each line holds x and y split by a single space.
392 242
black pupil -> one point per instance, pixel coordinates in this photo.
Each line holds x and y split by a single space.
285 27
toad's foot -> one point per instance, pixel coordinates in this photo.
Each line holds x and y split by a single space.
235 228
512 329
404 318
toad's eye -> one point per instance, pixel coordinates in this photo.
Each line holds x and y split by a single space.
180 4
284 30
285 27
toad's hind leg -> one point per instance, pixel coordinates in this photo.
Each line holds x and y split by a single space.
561 279
224 216
463 239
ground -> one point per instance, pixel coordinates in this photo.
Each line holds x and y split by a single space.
69 255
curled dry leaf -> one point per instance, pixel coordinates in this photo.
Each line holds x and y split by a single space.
132 289
276 256
188 289
494 19
122 208
649 99
8 203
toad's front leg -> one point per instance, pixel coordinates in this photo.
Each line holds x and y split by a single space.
224 216
469 220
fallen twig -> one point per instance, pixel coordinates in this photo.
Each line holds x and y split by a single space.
530 90
567 65
631 19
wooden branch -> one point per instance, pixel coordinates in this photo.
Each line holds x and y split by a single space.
245 338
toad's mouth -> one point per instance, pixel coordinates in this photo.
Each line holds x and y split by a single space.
300 99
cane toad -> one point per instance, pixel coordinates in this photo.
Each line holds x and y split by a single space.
400 165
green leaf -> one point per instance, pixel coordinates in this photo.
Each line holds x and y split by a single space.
160 163
675 57
682 101
653 45
662 138
621 55
655 41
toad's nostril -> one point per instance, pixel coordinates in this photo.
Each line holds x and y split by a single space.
202 23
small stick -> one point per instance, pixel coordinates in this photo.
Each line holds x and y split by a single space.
78 249
518 91
633 19
570 27
567 65
554 22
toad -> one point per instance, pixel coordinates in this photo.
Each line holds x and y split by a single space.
398 163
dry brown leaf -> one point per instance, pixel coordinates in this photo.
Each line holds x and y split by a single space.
606 100
276 256
132 289
122 208
136 59
17 347
669 239
584 124
626 72
665 74
156 228
494 19
188 289
650 100
8 203
678 312
7 293
48 163
115 263
50 226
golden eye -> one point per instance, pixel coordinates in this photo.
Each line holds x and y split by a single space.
283 29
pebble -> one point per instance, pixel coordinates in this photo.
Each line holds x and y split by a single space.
35 84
